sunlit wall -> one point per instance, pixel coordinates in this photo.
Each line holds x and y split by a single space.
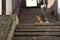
58 2
58 6
8 7
50 3
0 7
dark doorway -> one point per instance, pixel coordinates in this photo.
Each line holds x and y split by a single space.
23 3
3 7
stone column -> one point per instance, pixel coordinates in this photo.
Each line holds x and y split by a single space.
0 7
8 7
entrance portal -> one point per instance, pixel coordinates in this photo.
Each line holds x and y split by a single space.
23 3
31 3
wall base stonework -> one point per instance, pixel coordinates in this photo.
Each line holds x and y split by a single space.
5 25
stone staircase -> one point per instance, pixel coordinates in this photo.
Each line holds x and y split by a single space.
37 32
28 15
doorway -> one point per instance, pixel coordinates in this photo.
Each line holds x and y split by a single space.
31 3
3 7
23 3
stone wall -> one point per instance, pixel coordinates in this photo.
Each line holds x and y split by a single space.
52 5
16 6
5 25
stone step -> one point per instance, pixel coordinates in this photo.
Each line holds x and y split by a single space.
27 18
30 9
37 33
37 30
29 14
27 21
34 26
36 38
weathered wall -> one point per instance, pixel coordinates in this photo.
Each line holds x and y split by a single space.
16 6
52 5
16 9
5 25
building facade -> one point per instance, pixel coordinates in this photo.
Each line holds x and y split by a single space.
13 6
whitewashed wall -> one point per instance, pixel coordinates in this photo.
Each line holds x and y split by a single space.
58 6
8 7
0 7
50 3
58 2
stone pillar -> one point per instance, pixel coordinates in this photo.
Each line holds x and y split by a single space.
8 7
0 7
58 2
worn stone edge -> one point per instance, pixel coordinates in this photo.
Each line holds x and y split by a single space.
11 32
